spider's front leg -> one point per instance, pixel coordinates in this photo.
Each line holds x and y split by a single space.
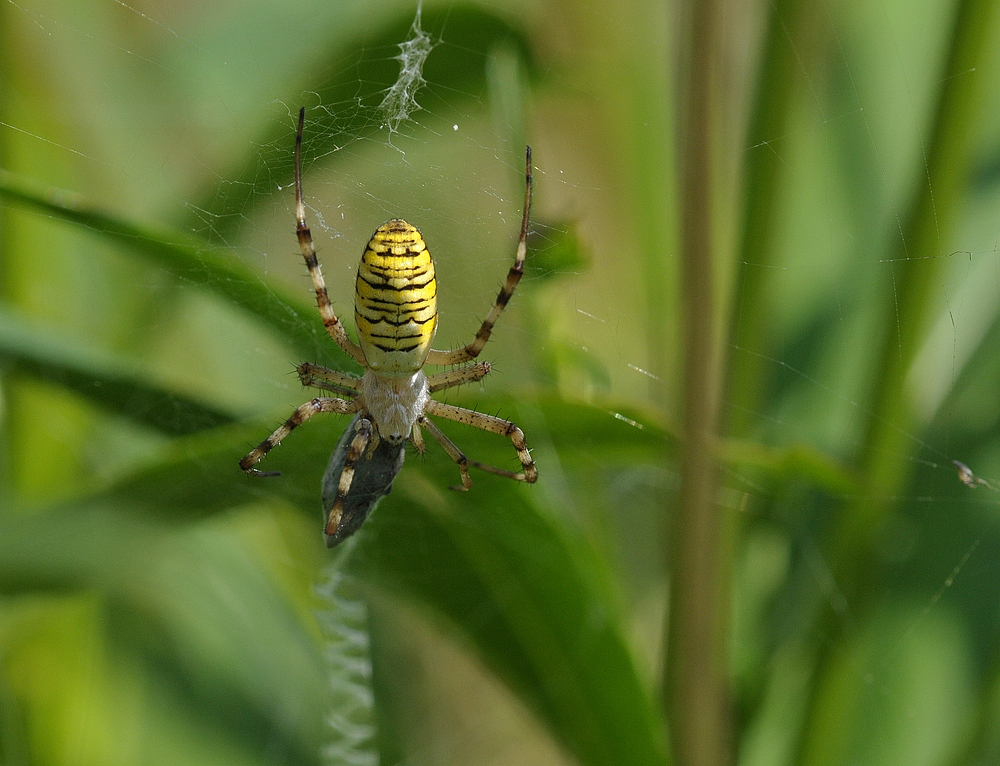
362 435
473 349
330 321
371 470
300 416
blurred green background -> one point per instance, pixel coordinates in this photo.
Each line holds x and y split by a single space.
158 606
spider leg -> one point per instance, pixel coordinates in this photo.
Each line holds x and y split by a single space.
300 416
469 374
472 350
362 435
498 471
330 321
417 438
315 376
453 452
493 425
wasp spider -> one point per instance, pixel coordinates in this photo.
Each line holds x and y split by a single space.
395 308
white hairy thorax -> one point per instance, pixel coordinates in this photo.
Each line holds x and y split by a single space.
394 403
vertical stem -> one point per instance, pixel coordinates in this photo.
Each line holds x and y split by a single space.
694 685
789 38
7 475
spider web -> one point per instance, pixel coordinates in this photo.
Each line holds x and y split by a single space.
389 152
449 159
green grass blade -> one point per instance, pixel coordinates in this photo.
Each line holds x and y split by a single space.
532 599
113 383
772 106
939 189
188 259
931 216
216 612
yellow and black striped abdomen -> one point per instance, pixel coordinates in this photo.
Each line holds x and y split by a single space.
395 300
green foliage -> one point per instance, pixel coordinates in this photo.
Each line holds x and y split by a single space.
158 605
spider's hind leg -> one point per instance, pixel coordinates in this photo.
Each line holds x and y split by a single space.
333 325
453 452
493 425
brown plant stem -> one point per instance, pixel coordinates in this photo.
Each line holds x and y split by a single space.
694 671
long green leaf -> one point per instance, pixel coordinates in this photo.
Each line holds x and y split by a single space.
932 214
752 315
190 260
113 383
217 614
532 599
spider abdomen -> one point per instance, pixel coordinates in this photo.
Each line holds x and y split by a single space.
395 300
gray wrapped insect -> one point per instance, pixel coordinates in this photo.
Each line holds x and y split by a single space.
373 477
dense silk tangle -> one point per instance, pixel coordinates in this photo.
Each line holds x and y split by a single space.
395 303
